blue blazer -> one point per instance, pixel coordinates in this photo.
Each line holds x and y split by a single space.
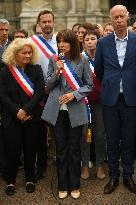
110 73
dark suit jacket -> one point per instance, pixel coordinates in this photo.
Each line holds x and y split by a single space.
1 62
110 73
13 96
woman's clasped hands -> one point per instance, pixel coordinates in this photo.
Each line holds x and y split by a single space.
64 99
22 115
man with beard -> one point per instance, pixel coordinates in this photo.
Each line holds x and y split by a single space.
4 42
46 46
46 42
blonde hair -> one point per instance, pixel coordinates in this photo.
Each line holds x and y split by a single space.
9 55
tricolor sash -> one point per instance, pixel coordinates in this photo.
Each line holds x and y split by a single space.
74 82
90 61
43 45
23 80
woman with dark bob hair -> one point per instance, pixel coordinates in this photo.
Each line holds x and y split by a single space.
21 94
69 81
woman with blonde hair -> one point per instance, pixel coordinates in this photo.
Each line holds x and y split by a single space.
21 93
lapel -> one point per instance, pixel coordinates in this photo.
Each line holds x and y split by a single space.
113 50
129 49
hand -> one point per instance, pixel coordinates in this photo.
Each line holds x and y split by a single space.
60 65
21 114
64 99
27 118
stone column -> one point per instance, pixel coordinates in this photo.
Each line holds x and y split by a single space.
76 12
93 6
60 23
71 20
80 6
105 5
72 7
59 6
93 11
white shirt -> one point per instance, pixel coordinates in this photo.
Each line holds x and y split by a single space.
121 45
43 60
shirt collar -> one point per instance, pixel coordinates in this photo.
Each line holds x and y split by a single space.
4 44
50 39
125 38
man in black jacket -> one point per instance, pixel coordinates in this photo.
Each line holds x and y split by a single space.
4 42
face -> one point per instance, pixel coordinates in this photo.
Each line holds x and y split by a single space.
24 55
134 27
90 42
119 17
81 32
19 35
4 28
46 23
64 47
75 29
107 30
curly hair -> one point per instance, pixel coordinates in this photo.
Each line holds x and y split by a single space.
9 55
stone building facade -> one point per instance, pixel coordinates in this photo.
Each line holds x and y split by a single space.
23 13
67 12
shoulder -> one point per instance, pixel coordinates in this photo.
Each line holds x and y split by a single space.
107 38
54 36
4 67
2 64
35 72
34 68
84 61
84 58
5 72
131 34
32 36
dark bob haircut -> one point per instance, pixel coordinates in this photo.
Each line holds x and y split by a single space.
93 32
69 36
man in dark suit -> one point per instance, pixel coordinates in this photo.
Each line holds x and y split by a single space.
4 30
4 42
115 67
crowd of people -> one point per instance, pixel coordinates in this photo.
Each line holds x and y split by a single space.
79 83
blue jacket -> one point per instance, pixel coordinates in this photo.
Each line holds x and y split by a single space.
110 73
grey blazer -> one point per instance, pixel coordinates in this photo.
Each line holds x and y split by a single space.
58 86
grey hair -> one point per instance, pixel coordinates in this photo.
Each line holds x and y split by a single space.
121 6
4 21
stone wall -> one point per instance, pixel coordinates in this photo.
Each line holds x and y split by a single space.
23 13
67 12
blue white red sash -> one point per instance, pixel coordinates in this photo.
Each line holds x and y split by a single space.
22 80
90 61
43 45
75 83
